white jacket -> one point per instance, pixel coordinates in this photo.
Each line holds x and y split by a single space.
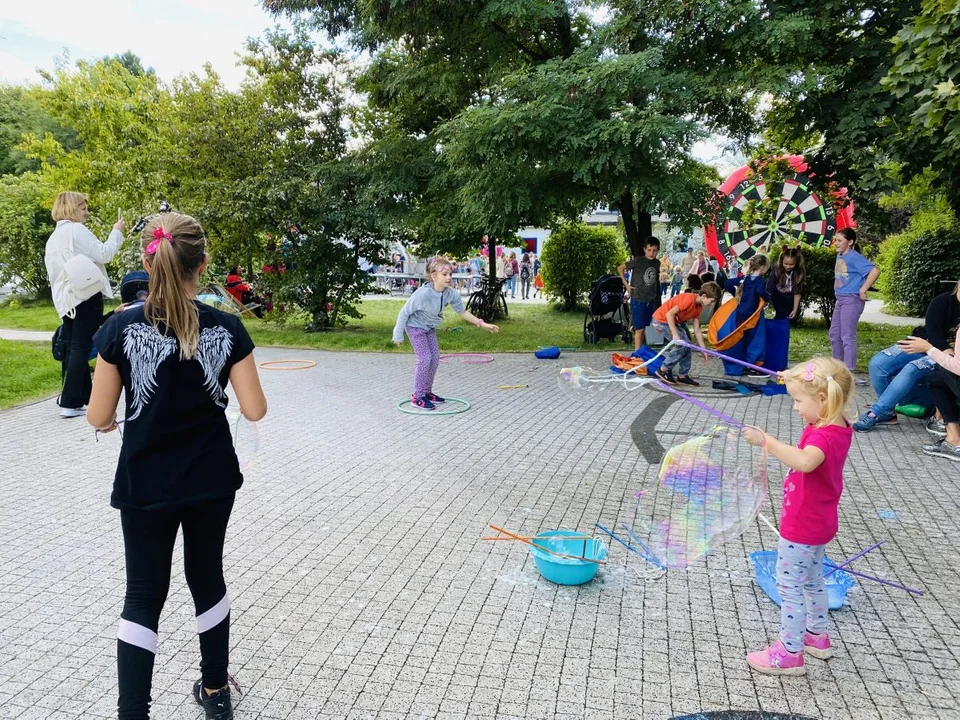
69 239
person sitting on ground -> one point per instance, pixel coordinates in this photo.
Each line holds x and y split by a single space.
944 385
670 320
900 377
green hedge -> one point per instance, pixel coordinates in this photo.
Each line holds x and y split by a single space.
819 264
575 256
913 262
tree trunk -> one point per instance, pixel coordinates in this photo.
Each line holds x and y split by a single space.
637 224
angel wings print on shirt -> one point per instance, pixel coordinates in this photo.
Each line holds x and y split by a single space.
146 348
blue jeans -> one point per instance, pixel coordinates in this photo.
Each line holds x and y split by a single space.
899 378
677 357
511 286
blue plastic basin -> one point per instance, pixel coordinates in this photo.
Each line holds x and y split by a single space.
765 568
572 570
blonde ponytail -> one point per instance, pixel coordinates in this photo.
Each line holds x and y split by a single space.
174 246
829 377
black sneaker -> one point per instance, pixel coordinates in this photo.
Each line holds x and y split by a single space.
215 707
666 376
687 380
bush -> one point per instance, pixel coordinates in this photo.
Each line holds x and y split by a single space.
819 264
575 256
25 226
914 262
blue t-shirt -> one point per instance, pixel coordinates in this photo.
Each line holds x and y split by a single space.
754 288
849 273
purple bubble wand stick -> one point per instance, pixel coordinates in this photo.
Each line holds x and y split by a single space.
720 355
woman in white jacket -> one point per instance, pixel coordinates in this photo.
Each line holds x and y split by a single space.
79 286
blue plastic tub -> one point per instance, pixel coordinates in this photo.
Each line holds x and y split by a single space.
568 571
765 567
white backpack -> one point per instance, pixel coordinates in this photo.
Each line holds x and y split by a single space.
81 276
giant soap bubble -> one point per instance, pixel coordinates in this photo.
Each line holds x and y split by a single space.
709 491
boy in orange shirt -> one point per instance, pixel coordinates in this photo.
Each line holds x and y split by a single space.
671 318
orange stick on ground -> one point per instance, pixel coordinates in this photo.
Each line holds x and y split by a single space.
546 550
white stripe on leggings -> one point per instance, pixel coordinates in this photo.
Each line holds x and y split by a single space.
138 635
214 616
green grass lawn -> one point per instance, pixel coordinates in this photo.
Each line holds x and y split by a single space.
27 372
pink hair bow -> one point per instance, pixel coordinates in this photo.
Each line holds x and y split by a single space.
808 372
159 235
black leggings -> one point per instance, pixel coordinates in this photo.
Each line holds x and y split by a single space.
945 388
78 333
148 539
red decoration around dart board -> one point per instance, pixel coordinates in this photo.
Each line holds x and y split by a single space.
803 215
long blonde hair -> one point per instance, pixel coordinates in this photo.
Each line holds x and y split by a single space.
174 246
830 377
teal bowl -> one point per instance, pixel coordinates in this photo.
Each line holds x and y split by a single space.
571 570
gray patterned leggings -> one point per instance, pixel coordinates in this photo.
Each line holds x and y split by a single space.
802 591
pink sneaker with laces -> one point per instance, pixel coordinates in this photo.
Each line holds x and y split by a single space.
776 660
817 645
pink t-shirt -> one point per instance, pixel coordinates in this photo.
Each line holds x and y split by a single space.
810 500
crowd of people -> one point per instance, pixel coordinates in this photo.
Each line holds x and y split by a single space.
171 357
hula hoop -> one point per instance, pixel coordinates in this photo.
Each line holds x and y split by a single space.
407 406
303 364
469 358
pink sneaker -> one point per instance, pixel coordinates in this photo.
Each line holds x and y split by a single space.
776 660
817 645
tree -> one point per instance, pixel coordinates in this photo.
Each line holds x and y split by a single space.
22 114
829 105
925 78
576 256
25 226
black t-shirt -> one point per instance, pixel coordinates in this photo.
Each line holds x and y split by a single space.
644 279
943 317
177 448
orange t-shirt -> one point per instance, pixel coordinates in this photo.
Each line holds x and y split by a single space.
689 308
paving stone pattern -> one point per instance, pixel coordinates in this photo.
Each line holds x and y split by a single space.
360 588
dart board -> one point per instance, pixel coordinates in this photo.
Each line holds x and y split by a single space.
801 215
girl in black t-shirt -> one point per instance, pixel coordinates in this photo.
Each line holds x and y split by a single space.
172 357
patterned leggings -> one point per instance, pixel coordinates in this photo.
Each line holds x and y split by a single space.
802 591
428 359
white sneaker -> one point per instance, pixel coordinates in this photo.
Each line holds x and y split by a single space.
73 412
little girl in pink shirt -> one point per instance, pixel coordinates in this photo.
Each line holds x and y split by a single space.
821 389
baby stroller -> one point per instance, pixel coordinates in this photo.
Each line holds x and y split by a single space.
606 317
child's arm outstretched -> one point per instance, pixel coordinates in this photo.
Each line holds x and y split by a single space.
802 460
471 318
698 333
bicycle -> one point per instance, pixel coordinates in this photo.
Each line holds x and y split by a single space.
488 302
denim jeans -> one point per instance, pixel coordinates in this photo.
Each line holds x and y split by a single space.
899 378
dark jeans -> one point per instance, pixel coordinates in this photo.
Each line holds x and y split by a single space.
78 334
945 388
148 540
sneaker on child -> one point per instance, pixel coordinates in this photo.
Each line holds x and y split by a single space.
817 646
423 403
215 707
687 380
776 660
434 398
73 412
666 376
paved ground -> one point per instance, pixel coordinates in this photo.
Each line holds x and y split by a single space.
360 588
